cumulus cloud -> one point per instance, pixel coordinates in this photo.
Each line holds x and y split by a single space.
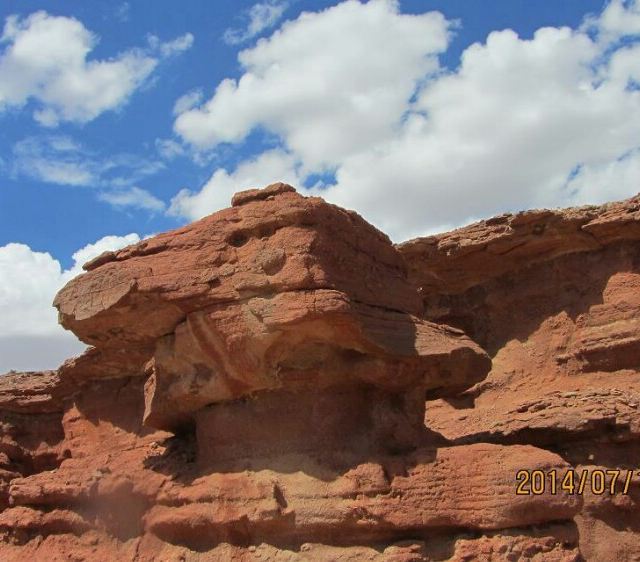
261 16
217 192
548 121
619 19
599 183
30 337
45 59
329 83
108 243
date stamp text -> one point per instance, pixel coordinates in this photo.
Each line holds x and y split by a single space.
597 482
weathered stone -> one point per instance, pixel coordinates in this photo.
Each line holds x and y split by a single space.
279 291
554 296
454 262
256 388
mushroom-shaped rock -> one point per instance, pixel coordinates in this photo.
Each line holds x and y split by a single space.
278 294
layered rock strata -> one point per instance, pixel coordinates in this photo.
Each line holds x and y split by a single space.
256 382
554 297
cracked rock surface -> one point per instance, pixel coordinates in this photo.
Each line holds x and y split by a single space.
279 382
554 297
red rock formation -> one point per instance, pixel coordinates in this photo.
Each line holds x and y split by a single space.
256 386
554 296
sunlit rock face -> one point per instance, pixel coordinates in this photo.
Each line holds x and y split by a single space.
257 382
278 292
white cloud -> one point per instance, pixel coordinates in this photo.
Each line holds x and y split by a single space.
133 197
29 280
269 167
52 160
261 16
59 78
172 48
169 148
104 244
30 337
58 159
124 170
330 83
503 133
415 150
599 183
187 101
619 18
37 353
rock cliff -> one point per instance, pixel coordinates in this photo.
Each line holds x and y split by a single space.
554 298
278 381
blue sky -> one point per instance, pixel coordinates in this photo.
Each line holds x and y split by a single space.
120 120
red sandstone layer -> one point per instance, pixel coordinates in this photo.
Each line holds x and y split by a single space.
279 382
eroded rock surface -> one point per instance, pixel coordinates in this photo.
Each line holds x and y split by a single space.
256 388
554 297
278 291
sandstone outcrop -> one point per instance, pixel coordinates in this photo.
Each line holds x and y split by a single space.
554 297
277 381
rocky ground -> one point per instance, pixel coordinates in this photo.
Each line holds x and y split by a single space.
279 382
